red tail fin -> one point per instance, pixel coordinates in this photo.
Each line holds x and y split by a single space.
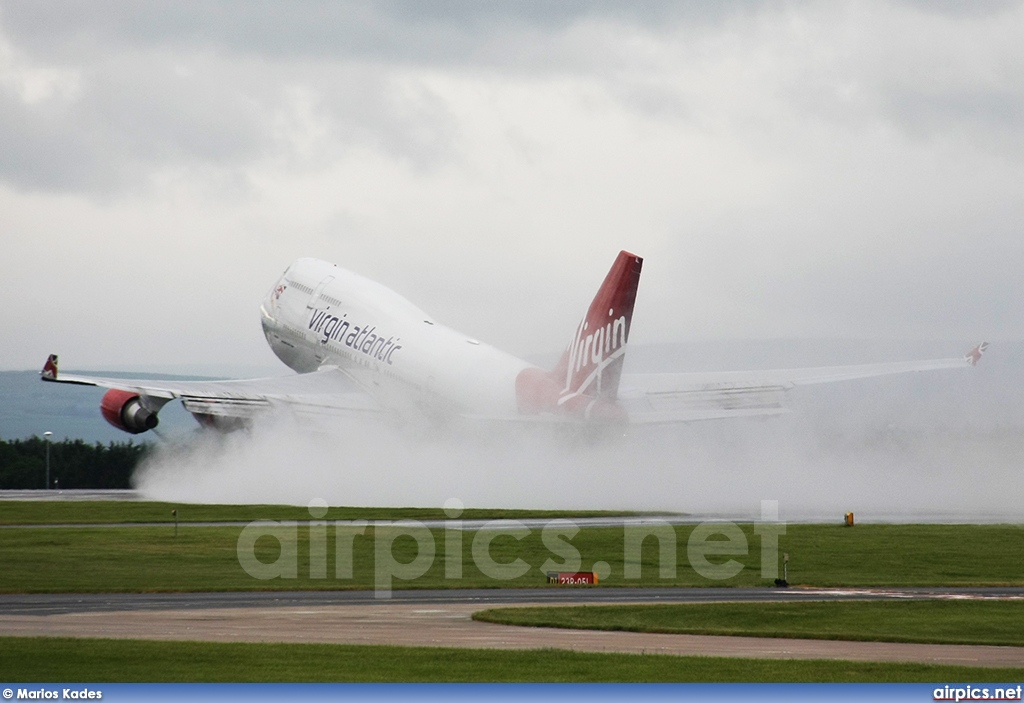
592 363
591 366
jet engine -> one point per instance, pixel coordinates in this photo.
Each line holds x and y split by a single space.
125 411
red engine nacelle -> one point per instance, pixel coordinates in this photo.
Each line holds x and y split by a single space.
124 410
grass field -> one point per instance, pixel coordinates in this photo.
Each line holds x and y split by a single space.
98 559
38 659
936 621
138 558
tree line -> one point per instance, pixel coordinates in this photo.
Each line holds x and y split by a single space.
73 463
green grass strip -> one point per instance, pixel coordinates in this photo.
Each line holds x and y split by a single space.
45 659
137 558
992 622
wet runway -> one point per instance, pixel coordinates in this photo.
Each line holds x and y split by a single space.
481 598
443 619
967 517
77 494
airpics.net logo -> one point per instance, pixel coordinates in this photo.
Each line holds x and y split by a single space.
711 548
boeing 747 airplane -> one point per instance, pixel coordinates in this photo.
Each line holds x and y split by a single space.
337 329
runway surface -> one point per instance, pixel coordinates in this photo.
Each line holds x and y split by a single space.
973 516
464 525
481 598
443 618
76 494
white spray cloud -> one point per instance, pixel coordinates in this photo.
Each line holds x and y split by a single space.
895 457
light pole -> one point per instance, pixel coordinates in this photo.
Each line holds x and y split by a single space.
46 436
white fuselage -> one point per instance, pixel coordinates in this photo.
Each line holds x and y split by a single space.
319 314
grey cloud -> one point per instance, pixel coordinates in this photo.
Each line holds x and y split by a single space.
396 30
956 8
991 117
125 121
966 298
368 107
930 74
136 114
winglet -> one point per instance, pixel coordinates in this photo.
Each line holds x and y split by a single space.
49 372
974 355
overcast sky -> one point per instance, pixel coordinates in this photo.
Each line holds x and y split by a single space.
787 170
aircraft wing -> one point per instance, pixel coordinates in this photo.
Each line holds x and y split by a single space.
328 391
682 397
